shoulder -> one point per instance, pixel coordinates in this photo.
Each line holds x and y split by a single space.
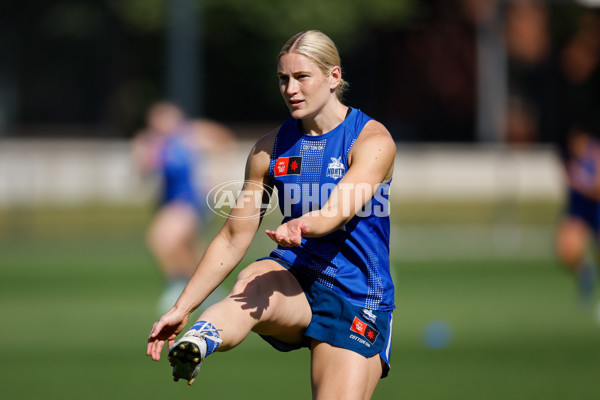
260 154
375 135
142 134
210 126
265 144
208 134
374 151
143 137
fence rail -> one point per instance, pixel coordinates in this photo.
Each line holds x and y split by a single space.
72 172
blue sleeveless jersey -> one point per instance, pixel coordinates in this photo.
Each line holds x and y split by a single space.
177 162
579 205
352 261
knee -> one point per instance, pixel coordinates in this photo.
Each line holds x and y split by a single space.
569 253
571 244
262 279
569 261
250 272
249 279
163 241
157 242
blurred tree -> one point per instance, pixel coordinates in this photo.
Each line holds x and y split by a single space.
102 62
140 16
256 34
96 65
273 19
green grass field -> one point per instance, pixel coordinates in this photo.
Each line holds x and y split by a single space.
78 292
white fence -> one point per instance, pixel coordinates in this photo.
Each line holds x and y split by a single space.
478 172
71 172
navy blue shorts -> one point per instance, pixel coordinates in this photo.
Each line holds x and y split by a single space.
338 322
584 209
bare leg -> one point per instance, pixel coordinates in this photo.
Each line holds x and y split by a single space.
572 242
172 240
266 299
338 373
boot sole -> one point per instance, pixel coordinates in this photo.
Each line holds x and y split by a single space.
185 359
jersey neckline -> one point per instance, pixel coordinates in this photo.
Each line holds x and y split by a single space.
327 134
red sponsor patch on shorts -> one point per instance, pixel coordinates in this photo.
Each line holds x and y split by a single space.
364 329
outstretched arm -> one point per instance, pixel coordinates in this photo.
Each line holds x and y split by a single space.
371 163
144 152
224 252
213 136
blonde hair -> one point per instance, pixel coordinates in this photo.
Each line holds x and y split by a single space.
320 49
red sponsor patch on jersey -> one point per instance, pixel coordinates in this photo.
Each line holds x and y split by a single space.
288 166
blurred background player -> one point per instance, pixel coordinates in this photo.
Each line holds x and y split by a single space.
580 72
174 148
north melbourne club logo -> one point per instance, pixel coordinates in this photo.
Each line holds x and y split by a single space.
364 329
369 315
288 166
335 169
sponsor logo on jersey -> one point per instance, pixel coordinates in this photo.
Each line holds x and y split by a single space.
288 166
335 169
364 329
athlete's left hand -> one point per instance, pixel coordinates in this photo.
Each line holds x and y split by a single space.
164 330
289 234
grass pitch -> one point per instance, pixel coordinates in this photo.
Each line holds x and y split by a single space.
78 293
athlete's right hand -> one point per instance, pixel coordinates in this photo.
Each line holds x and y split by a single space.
164 330
290 233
